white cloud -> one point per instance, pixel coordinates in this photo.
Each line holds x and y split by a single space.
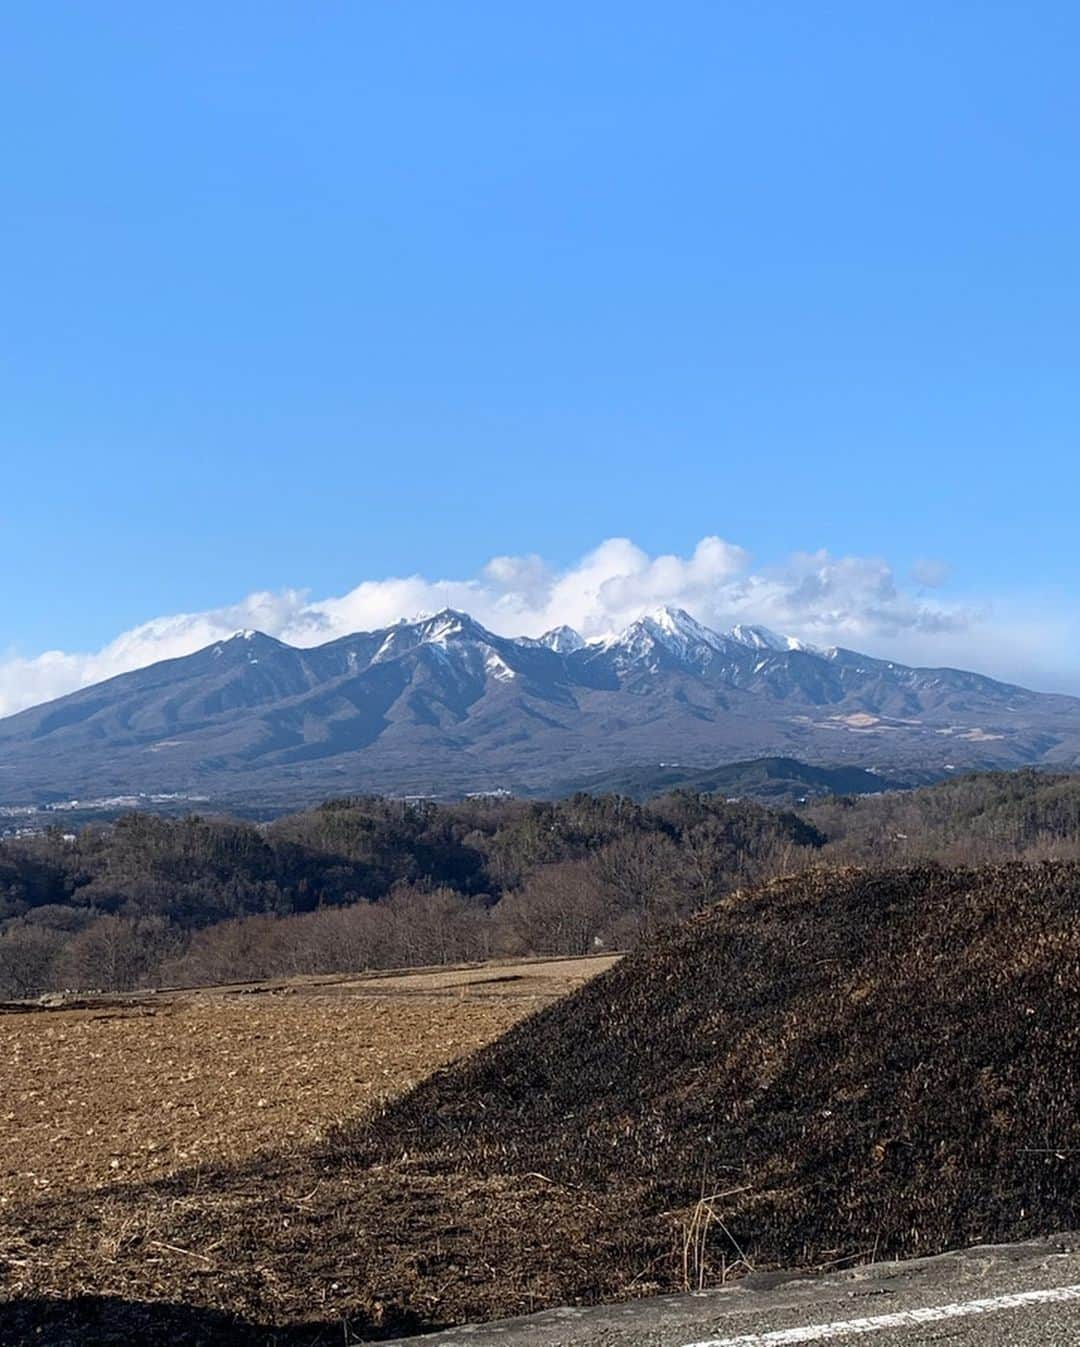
853 601
929 573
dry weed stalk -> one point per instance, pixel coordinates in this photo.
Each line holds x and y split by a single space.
695 1267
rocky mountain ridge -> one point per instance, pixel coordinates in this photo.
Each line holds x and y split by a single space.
441 705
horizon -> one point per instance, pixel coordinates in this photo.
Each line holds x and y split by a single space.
596 642
822 601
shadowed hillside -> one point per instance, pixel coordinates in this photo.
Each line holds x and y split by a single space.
865 1061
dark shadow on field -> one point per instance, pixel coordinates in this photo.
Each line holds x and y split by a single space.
110 1321
86 1321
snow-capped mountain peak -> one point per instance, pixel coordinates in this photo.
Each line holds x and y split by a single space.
678 625
563 640
448 627
758 638
762 638
669 630
444 625
680 635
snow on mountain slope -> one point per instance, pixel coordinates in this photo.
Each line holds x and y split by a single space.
563 640
441 703
665 635
762 638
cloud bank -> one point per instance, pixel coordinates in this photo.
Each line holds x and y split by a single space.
827 600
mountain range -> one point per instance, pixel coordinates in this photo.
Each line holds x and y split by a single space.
440 705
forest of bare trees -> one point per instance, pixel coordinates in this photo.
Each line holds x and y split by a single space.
369 883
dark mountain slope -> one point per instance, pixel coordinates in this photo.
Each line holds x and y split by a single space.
442 705
778 779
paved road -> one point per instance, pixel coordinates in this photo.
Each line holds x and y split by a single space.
1025 1295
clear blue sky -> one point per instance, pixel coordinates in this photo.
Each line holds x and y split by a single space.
300 294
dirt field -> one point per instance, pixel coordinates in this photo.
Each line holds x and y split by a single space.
134 1088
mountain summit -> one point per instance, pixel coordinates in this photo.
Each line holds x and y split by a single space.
443 705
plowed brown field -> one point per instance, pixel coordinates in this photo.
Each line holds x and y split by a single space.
133 1088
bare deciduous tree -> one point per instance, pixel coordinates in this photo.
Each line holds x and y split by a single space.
28 957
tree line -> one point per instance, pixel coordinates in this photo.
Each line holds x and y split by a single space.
370 883
366 883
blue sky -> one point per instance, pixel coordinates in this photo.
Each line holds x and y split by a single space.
301 296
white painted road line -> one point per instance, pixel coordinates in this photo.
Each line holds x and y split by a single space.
850 1328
